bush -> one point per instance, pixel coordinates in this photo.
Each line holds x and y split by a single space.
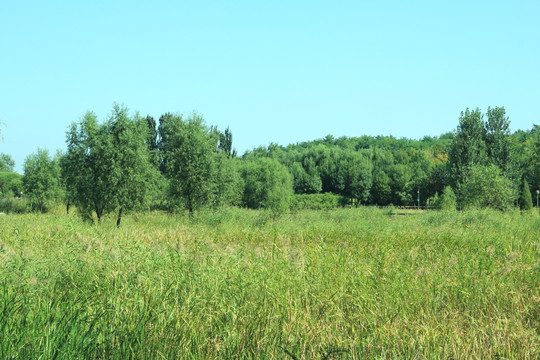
14 206
525 199
447 201
268 185
324 201
485 187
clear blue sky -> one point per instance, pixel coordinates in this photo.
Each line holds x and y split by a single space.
273 71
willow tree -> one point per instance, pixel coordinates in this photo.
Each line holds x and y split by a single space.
189 157
107 166
41 180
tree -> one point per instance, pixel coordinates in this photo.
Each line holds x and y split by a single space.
357 169
163 139
383 163
381 192
497 137
484 186
152 140
7 163
189 157
447 201
468 147
133 176
535 158
306 182
225 143
41 180
68 186
108 166
525 198
229 183
10 184
88 167
268 185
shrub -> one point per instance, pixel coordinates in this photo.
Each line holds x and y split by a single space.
268 185
525 199
485 187
324 201
447 201
14 206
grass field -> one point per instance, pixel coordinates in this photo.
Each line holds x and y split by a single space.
340 284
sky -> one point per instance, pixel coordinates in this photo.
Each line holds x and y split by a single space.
271 71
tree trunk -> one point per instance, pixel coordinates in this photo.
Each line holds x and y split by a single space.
190 205
98 212
67 208
119 218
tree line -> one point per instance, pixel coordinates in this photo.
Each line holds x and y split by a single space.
130 162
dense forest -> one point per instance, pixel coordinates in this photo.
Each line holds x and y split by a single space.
130 162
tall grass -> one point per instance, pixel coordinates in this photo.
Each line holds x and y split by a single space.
339 284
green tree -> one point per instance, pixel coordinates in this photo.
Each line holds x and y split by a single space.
268 185
306 181
69 189
468 147
497 137
229 183
133 177
484 186
189 155
152 140
89 166
357 175
41 180
107 167
164 133
447 201
383 163
381 192
10 184
525 198
7 163
225 143
535 158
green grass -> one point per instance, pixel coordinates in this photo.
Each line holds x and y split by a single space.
340 284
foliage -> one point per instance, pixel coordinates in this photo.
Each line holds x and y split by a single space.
88 166
41 180
268 185
189 153
497 139
199 168
229 182
468 147
357 180
484 186
107 167
7 164
306 180
525 198
14 206
225 142
324 201
446 202
10 184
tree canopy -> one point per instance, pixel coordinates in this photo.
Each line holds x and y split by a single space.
132 162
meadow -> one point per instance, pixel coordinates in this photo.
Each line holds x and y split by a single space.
360 283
